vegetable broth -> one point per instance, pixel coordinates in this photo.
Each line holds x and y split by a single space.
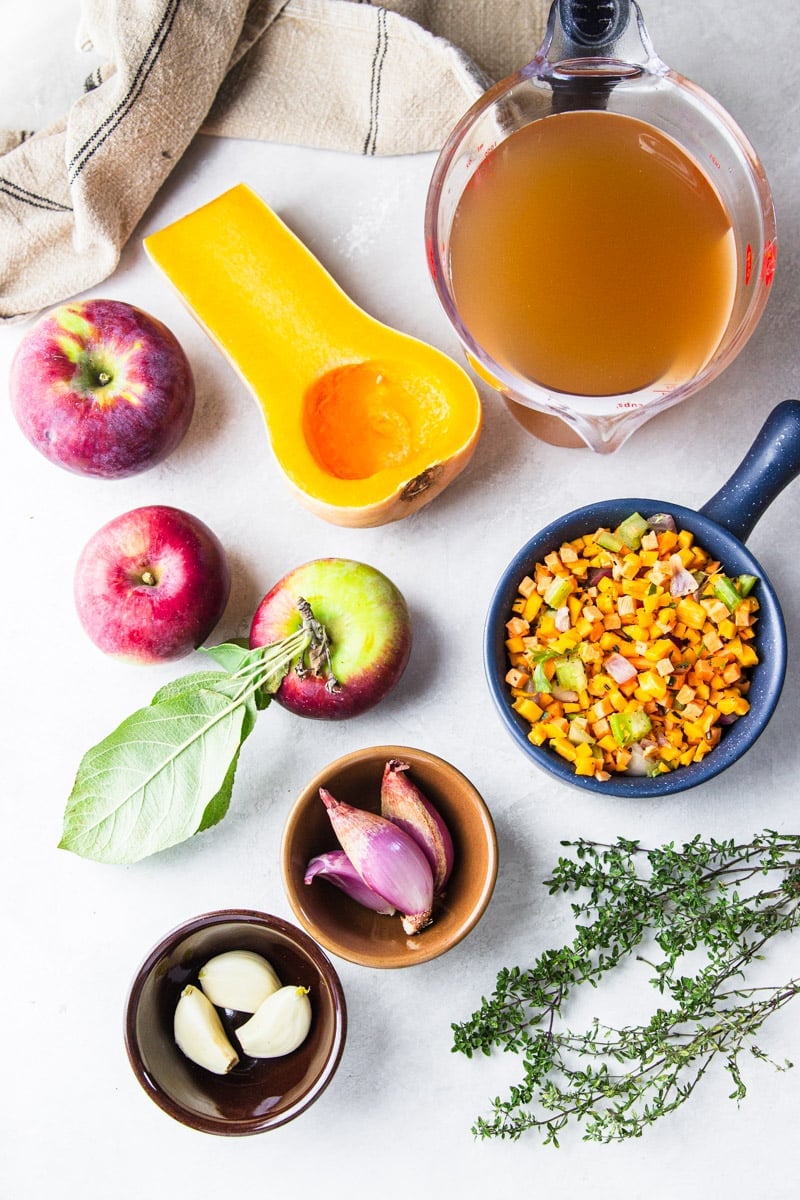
591 255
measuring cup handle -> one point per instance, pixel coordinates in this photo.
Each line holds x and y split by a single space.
771 463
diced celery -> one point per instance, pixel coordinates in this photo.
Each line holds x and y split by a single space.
540 681
629 727
610 541
571 673
631 530
579 731
557 593
745 584
725 590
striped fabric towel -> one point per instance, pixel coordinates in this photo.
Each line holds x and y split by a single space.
336 74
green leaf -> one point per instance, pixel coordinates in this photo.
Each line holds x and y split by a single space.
232 656
219 805
150 784
167 771
187 685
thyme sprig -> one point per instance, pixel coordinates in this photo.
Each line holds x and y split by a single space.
697 915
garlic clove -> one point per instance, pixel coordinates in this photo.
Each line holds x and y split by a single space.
409 808
199 1034
279 1025
238 979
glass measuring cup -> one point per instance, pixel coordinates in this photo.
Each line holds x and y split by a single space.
596 63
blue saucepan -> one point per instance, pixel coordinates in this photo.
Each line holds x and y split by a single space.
721 526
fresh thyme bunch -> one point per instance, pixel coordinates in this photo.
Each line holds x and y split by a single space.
719 902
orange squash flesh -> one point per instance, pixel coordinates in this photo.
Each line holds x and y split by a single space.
367 423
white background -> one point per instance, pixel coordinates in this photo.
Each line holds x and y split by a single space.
396 1119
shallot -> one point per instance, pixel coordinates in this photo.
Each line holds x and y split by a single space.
619 667
682 582
387 858
336 867
406 805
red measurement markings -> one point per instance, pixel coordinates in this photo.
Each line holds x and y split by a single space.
768 263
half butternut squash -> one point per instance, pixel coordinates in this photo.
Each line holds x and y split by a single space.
366 423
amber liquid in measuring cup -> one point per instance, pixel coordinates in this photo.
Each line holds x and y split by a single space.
591 255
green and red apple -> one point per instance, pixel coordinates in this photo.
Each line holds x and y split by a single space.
368 626
102 388
151 584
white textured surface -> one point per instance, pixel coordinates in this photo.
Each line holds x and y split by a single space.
395 1121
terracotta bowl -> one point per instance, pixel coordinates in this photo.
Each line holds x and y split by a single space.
341 924
258 1094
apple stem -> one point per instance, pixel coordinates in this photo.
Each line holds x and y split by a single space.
319 650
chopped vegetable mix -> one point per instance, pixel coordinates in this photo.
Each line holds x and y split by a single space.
629 649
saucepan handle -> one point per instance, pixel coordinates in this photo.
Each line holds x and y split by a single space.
771 463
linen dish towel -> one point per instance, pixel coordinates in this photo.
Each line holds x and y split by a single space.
334 74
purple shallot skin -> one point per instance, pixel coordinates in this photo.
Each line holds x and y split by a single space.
405 804
336 867
387 858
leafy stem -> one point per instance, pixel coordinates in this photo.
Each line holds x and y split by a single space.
709 909
167 771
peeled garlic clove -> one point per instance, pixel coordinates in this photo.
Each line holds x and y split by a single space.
279 1025
239 979
199 1033
408 807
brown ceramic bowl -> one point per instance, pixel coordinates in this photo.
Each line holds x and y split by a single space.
345 927
258 1094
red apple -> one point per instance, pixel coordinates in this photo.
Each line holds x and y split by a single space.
368 625
151 585
102 388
